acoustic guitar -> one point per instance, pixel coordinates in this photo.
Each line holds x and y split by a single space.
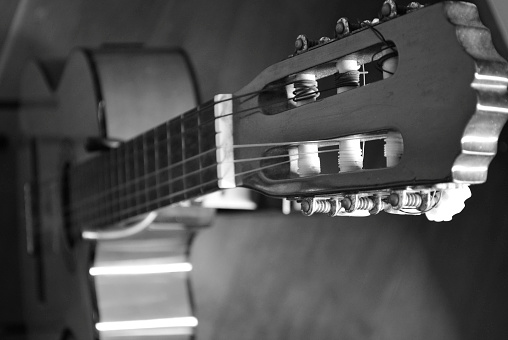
335 128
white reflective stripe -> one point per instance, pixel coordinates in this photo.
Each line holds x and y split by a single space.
491 108
479 139
128 230
465 168
141 269
489 87
187 321
148 333
490 78
223 110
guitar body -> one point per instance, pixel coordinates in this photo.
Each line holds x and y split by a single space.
109 94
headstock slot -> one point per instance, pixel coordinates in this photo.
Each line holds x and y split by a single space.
282 94
281 162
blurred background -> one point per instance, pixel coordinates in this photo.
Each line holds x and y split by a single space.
261 274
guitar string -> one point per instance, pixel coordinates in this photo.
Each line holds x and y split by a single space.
156 171
150 189
146 190
182 162
186 190
133 182
100 220
147 176
199 110
115 189
171 166
54 182
211 104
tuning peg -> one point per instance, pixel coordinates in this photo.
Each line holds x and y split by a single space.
450 203
349 205
390 9
344 27
302 43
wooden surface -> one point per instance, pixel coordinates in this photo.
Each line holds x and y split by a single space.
262 275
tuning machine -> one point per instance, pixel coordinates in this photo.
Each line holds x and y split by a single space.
391 9
302 43
439 203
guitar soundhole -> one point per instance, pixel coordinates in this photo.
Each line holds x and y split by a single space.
346 154
351 72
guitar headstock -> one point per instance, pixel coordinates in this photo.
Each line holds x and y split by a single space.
437 108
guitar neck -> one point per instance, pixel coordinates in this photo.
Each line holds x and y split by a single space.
172 162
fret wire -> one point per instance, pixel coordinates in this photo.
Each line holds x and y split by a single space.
111 181
151 181
191 148
145 168
205 139
112 201
176 157
156 164
126 171
116 197
199 152
141 168
119 153
167 188
134 172
104 179
182 144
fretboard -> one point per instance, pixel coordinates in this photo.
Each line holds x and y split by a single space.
172 162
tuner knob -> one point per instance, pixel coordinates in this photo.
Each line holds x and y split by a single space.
344 27
386 10
413 6
299 44
340 28
302 43
310 206
451 203
390 10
